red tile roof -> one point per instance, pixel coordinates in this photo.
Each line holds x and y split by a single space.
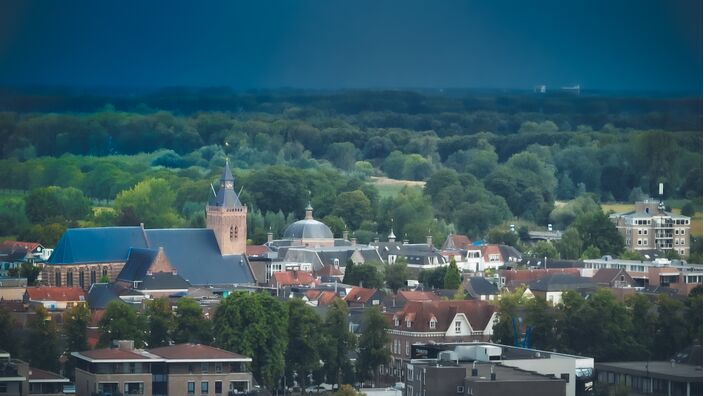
418 295
460 241
491 249
478 313
194 352
29 246
293 278
44 293
36 374
359 295
256 250
330 270
527 276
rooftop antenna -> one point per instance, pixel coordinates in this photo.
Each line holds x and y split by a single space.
213 189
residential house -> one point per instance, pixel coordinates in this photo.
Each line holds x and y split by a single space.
319 298
437 321
54 298
551 287
479 288
613 277
417 255
513 279
182 369
359 297
293 278
491 256
14 253
456 242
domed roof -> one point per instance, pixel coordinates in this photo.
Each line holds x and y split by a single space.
308 229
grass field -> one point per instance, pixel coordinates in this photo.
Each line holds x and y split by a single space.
625 207
391 187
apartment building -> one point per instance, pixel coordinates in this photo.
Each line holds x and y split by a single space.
183 369
650 227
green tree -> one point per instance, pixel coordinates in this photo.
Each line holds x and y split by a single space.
543 249
373 344
342 155
121 322
694 312
56 202
592 252
365 275
508 307
354 207
397 274
688 209
161 322
542 318
150 202
41 343
596 229
304 339
644 321
452 279
434 278
47 234
256 325
570 245
337 343
8 338
501 235
189 323
672 325
75 323
30 272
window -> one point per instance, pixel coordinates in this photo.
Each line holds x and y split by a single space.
204 367
645 242
565 377
460 389
190 369
218 367
134 388
81 280
408 348
93 277
57 279
408 323
218 387
232 233
396 322
433 323
105 271
69 278
191 387
204 388
458 327
3 387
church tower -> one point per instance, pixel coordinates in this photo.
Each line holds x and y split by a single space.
227 217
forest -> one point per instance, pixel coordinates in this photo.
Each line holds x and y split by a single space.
487 160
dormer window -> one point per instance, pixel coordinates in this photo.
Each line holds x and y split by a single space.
433 323
396 322
408 323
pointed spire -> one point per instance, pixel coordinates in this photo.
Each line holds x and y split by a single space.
226 195
227 173
392 236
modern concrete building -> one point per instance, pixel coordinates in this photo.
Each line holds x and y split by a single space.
183 369
17 378
650 227
448 369
653 378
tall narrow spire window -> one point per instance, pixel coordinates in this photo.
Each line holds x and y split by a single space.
232 233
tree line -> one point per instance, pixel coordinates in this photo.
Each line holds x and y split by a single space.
282 338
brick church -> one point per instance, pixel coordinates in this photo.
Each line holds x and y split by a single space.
209 256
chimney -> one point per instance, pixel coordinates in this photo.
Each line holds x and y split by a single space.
269 236
429 240
376 239
493 374
346 234
354 241
125 345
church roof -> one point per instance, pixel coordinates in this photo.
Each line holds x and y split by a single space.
97 245
226 196
193 252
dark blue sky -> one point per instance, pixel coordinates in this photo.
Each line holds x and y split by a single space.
328 44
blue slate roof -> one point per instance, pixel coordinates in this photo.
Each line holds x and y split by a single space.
195 254
97 245
137 264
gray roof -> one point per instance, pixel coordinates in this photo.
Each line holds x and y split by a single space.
193 252
307 229
164 281
559 282
226 196
101 294
478 286
651 369
97 245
